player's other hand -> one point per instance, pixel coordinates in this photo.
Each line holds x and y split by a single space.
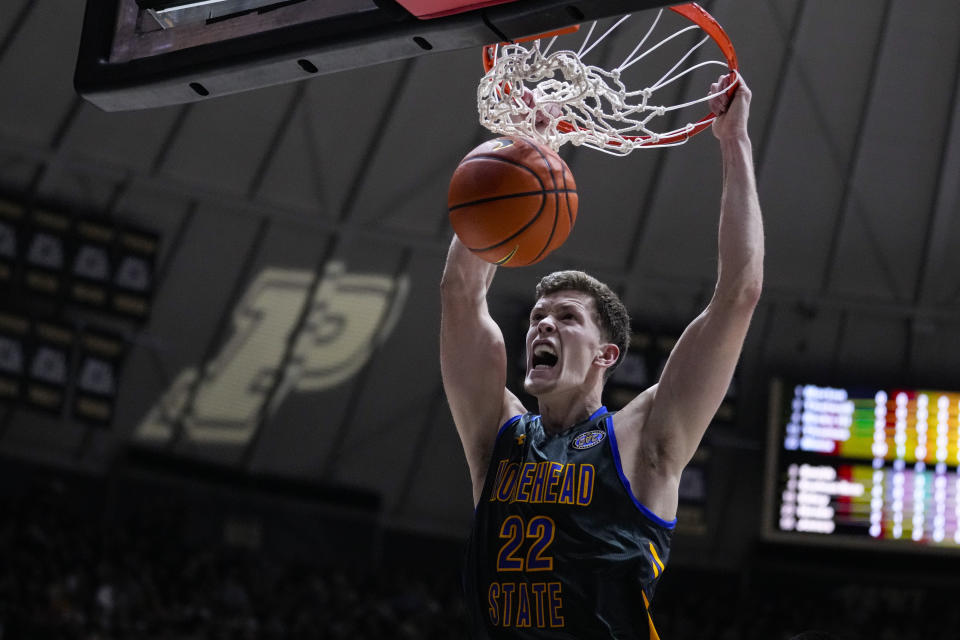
544 113
732 111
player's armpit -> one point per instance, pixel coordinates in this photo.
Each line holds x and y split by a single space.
694 382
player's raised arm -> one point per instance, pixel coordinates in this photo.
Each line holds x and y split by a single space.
698 371
473 359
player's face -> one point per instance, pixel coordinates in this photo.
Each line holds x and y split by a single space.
563 341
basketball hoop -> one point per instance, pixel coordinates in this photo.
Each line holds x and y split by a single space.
584 104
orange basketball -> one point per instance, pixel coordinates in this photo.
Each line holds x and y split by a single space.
512 201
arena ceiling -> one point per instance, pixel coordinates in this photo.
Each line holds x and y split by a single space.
302 232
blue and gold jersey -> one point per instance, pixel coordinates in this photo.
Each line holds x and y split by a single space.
560 548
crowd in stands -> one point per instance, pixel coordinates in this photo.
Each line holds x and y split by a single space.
66 573
69 571
780 608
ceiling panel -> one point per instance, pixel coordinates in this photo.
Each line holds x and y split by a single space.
935 351
136 138
801 340
37 71
439 496
871 348
237 130
401 393
885 216
425 135
348 112
942 273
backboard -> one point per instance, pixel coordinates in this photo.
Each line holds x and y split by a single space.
137 54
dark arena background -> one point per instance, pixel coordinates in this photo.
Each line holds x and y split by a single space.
222 230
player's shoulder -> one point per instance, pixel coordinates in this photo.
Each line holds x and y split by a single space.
513 421
512 408
521 422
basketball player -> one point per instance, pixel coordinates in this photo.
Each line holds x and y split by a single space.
575 506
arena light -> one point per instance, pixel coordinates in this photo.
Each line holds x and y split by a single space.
14 336
92 264
170 14
133 277
77 259
100 355
49 366
11 217
45 252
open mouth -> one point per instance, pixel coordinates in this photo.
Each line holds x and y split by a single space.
544 357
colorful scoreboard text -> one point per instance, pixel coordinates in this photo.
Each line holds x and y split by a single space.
868 463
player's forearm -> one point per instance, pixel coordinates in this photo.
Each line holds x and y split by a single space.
465 276
740 271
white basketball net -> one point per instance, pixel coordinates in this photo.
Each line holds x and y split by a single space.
581 103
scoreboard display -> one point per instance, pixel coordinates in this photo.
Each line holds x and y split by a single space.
858 466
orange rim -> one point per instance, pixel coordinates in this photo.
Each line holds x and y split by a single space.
489 50
692 12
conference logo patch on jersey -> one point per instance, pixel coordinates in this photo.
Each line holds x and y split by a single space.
589 439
